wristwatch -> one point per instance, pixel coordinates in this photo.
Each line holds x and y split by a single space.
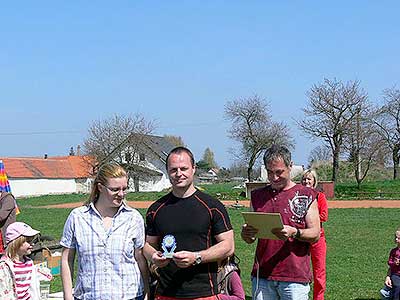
297 234
197 259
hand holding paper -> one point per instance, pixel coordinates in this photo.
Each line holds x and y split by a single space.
263 223
249 233
285 232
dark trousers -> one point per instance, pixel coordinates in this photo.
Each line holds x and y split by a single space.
396 286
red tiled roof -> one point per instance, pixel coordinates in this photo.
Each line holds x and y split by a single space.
52 167
81 165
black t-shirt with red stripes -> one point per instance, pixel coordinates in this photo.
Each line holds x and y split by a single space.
194 222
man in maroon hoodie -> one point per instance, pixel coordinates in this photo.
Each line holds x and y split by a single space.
282 267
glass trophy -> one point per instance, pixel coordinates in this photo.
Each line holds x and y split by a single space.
168 245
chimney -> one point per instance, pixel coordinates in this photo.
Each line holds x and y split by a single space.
78 150
45 156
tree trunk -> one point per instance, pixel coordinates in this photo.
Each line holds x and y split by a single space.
249 173
395 156
358 177
335 168
357 168
250 166
136 183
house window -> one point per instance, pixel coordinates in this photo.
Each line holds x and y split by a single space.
142 157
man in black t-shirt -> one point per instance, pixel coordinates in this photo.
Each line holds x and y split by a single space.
201 228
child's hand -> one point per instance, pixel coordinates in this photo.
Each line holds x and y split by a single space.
388 281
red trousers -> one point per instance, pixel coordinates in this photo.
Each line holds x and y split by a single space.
318 259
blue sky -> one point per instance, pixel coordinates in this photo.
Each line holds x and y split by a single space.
65 64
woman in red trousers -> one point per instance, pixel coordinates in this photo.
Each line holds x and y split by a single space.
318 249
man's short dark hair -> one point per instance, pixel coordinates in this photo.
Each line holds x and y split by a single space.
276 152
178 150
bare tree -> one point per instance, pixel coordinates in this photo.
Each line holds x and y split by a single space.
238 169
319 154
253 128
362 142
331 108
388 122
175 140
119 138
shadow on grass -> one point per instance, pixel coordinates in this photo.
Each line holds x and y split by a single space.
248 297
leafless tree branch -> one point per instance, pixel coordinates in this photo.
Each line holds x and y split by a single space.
253 128
387 121
331 108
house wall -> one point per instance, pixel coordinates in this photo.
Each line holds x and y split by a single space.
158 183
83 185
153 184
35 187
148 183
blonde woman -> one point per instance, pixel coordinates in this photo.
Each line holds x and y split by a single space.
108 237
318 249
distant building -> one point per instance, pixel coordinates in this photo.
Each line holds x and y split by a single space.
210 176
34 176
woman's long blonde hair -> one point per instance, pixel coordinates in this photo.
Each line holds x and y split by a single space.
106 171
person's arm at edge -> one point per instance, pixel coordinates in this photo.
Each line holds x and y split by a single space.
322 207
388 280
149 248
312 231
6 206
144 270
225 244
67 271
35 282
224 247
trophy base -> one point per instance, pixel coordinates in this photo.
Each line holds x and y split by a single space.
168 255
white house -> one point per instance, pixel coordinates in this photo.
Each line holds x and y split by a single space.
34 176
146 160
210 176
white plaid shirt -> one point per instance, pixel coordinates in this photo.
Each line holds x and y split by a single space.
107 268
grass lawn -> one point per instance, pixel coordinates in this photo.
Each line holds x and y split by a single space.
359 241
225 191
222 191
